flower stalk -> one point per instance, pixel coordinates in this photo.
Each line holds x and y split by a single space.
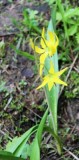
48 70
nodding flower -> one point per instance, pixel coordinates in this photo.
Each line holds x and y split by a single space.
48 47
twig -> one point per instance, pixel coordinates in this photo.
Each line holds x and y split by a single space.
7 34
9 101
5 134
69 73
76 69
69 135
74 156
33 112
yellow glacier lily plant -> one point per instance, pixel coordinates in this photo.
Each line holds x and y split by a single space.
52 78
48 47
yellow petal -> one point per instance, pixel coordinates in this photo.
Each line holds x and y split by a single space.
43 84
51 70
52 48
51 36
49 44
42 61
32 44
52 43
46 78
61 72
52 52
57 41
59 81
50 84
36 48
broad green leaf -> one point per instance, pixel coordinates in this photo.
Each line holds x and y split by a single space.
72 30
20 149
71 13
17 145
58 16
25 151
41 126
52 96
8 156
35 148
52 105
2 152
25 54
68 14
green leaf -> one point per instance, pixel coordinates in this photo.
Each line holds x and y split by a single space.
22 53
67 14
35 148
72 30
41 126
50 1
2 48
17 145
58 16
56 137
71 13
62 11
2 86
25 151
52 96
8 156
77 38
53 17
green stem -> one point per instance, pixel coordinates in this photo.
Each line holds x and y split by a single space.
52 105
56 137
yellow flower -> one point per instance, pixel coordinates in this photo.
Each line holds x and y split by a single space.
48 47
52 78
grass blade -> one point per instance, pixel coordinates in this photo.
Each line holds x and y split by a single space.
22 53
